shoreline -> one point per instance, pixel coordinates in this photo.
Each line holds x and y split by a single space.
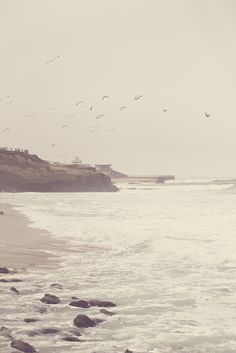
24 246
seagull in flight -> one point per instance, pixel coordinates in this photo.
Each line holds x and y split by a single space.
122 108
138 97
99 116
105 97
207 115
79 102
4 97
54 59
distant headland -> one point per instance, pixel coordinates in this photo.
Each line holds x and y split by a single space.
21 171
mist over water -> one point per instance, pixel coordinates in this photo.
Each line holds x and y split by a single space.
165 254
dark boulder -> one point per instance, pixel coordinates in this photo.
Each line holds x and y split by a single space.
80 304
56 285
14 290
71 339
5 332
11 280
50 299
23 346
29 320
101 303
106 312
43 331
49 331
84 321
4 270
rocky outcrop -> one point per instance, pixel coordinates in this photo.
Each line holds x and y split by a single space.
101 303
50 299
23 346
83 321
107 312
14 290
23 172
80 304
29 320
4 270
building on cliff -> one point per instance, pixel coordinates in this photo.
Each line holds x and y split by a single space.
14 150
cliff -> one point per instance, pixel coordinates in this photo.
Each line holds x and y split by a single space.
23 172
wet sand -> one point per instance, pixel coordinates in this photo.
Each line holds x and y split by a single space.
21 245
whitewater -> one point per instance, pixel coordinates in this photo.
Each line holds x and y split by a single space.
165 254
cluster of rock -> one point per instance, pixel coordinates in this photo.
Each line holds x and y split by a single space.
81 321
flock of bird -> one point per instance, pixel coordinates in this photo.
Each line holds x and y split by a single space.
99 116
8 100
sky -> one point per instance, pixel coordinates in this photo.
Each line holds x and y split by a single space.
179 55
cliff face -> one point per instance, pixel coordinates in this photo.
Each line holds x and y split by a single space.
22 172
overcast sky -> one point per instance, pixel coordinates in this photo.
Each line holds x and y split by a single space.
178 54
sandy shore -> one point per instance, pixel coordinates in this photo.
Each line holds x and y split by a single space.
21 245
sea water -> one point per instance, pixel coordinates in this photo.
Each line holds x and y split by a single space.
165 254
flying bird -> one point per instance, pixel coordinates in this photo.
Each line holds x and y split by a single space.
54 59
138 97
79 102
99 116
122 108
207 115
105 97
4 97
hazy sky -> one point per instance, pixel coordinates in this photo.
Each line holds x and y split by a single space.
178 54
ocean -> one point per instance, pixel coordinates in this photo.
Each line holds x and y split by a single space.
165 254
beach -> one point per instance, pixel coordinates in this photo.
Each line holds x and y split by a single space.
21 245
163 254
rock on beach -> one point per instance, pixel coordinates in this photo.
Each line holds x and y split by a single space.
50 299
101 303
80 304
4 270
23 346
83 321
